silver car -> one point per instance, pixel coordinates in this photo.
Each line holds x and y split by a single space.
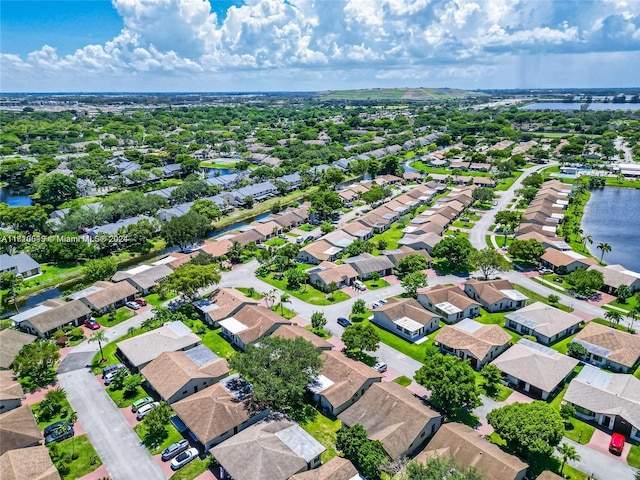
144 411
184 458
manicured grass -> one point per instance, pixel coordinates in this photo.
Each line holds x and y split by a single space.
307 227
154 444
109 350
87 461
284 311
324 430
192 470
251 293
42 424
390 236
578 431
306 293
154 298
452 232
275 242
214 340
561 346
417 352
491 318
122 314
534 297
322 333
634 456
373 285
291 234
402 380
121 401
606 323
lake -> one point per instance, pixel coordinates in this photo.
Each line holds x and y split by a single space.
577 106
611 217
14 199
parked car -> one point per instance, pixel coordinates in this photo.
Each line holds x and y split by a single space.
138 404
375 305
382 302
91 324
54 426
132 305
184 458
380 367
61 433
344 322
108 378
144 411
299 240
174 449
141 301
283 236
616 445
111 368
309 238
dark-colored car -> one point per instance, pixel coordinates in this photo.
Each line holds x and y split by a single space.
92 324
616 445
174 449
344 322
47 430
61 433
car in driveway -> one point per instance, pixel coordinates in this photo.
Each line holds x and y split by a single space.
138 404
616 445
111 368
174 449
344 322
91 324
380 367
61 433
108 378
382 302
375 305
184 458
144 411
132 305
54 426
141 301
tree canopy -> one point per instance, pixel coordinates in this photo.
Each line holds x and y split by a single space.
361 337
189 278
455 250
489 261
368 456
585 282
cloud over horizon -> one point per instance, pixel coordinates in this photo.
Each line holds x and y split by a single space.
316 44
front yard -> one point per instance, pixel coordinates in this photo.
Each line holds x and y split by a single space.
86 459
306 293
215 342
323 429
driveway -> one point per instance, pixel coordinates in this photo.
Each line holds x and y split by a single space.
600 465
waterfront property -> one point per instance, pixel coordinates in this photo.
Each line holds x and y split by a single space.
20 264
609 347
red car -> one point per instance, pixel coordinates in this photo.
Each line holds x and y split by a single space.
141 301
617 443
92 324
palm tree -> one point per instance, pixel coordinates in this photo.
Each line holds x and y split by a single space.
613 317
284 298
634 314
271 296
604 247
568 452
99 337
584 239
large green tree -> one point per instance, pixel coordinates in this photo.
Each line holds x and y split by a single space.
361 337
439 468
55 188
279 369
454 250
452 382
36 361
528 250
100 269
585 282
367 455
412 263
189 278
412 282
185 230
530 429
488 261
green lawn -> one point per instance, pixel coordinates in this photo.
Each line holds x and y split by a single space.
373 285
576 429
284 311
121 401
154 298
214 340
634 456
192 469
65 407
561 346
306 293
402 380
462 224
631 302
275 242
109 351
154 444
87 461
606 323
417 352
307 227
323 429
122 314
534 297
251 293
390 236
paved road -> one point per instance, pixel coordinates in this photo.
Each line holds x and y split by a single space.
599 465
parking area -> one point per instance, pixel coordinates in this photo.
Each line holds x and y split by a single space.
600 442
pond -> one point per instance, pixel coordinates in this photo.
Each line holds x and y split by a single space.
15 198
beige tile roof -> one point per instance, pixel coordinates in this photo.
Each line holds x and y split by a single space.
267 228
258 320
396 255
348 376
390 413
11 342
293 331
545 319
397 308
489 291
470 449
227 300
317 250
558 259
112 293
357 229
335 469
213 411
18 429
624 348
245 238
32 463
614 277
171 371
454 295
478 343
217 248
547 475
10 388
62 315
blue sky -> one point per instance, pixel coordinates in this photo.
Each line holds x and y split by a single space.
263 45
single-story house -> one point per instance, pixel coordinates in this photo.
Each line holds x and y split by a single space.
103 295
473 341
495 295
144 279
217 412
267 230
249 324
11 393
221 304
292 332
379 224
341 382
139 351
424 241
20 264
247 237
449 302
547 242
398 254
337 468
470 449
12 341
175 259
18 429
176 375
366 265
534 368
609 347
413 177
616 275
406 318
278 448
52 315
358 230
318 252
609 399
288 220
566 262
548 324
393 415
216 248
326 273
339 238
32 463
